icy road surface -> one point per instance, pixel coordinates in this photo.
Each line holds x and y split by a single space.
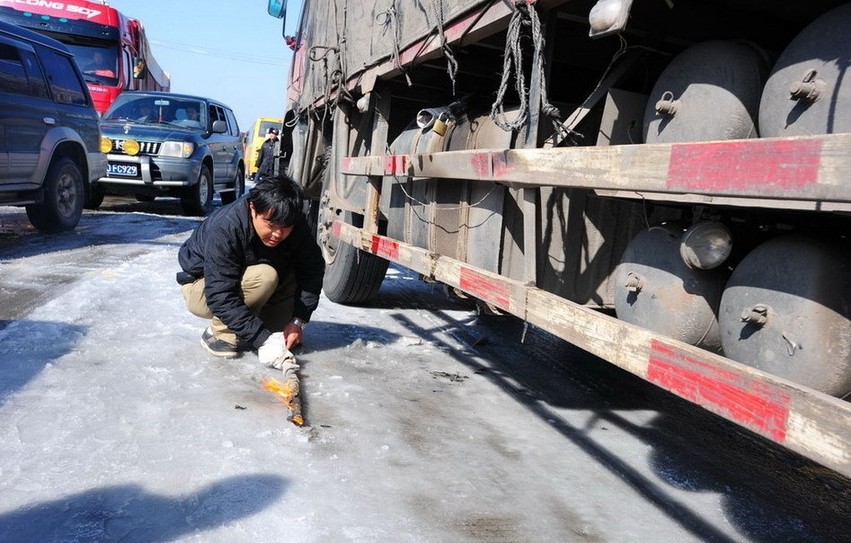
423 422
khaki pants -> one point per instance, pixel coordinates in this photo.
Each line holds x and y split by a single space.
267 299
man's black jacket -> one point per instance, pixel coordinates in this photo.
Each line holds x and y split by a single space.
225 244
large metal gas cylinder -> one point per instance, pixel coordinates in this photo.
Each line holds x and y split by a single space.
708 92
456 135
809 89
437 214
415 140
787 311
655 289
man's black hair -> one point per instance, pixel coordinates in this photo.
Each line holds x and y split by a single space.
281 195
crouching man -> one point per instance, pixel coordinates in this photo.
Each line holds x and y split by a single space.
254 269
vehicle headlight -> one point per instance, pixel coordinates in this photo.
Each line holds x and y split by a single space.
178 149
706 245
131 147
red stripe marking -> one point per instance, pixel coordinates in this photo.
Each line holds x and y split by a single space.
754 404
481 163
784 164
336 229
485 288
396 165
384 247
346 163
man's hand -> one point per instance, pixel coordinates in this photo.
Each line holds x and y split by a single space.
293 334
273 352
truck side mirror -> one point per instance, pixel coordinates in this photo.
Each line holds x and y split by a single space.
278 8
140 68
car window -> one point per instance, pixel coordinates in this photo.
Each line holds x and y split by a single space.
265 126
38 86
214 115
64 83
99 64
217 113
233 127
13 77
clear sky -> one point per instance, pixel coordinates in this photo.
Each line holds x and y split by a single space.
230 50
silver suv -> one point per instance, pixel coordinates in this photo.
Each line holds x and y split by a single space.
49 134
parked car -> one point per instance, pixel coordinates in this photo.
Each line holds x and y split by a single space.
49 134
167 144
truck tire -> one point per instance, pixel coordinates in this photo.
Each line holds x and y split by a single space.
198 199
352 276
63 198
311 213
229 197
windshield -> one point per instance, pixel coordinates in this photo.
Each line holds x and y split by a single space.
98 64
266 125
146 109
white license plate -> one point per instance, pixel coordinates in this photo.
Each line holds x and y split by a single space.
126 170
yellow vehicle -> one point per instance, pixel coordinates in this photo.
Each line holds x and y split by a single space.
254 138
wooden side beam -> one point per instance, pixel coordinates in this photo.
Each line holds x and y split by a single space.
811 168
803 420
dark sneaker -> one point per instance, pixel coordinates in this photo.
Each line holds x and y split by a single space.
217 347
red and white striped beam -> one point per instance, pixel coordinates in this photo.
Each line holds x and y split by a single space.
803 420
812 168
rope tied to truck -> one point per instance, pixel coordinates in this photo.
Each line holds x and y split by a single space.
327 74
524 15
340 75
451 61
334 77
390 18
